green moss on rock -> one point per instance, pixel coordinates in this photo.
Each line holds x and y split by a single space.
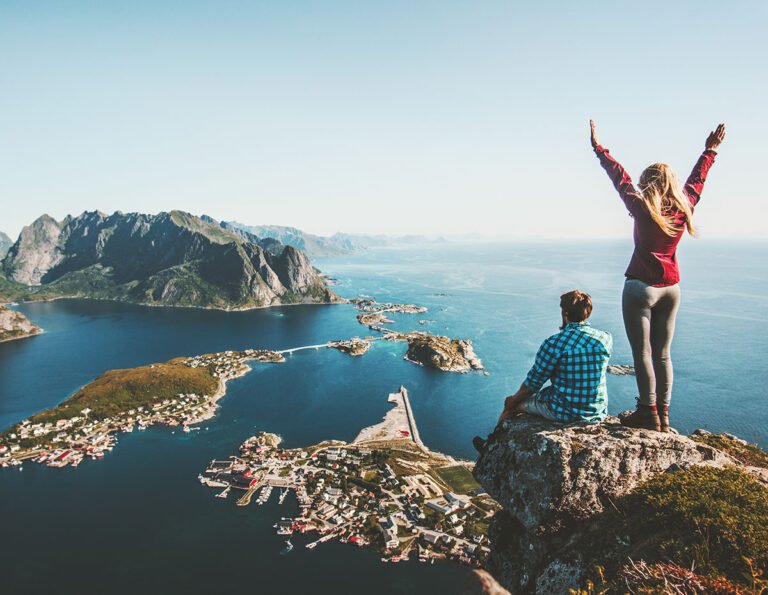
710 518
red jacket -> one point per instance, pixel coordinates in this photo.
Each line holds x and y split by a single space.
654 260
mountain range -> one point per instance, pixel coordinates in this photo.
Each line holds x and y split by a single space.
172 259
314 245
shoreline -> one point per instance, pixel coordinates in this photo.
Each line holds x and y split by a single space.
220 393
34 334
149 305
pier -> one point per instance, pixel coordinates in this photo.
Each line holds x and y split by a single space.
245 499
411 419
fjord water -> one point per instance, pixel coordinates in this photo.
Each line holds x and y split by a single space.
139 520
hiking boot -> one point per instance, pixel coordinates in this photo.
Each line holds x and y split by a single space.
479 444
664 418
645 417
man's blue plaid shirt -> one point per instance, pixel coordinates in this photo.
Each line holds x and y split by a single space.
575 361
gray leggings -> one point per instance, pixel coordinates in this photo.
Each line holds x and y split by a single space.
649 319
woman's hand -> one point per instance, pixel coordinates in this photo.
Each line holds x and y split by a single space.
593 134
715 138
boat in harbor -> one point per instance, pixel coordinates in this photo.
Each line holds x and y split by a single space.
223 494
264 495
288 547
212 483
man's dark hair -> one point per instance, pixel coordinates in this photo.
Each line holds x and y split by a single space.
577 305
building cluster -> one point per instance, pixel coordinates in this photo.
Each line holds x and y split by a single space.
364 496
229 364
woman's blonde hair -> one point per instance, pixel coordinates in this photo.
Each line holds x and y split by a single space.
663 197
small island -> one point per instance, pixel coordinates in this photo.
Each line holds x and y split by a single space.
425 349
181 392
369 304
14 325
442 353
385 490
355 346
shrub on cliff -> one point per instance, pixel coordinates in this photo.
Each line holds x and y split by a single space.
715 520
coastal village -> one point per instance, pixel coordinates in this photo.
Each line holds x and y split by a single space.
384 490
70 439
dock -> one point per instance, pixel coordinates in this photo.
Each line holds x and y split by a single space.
411 419
245 499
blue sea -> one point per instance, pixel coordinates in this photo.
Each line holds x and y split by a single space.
139 520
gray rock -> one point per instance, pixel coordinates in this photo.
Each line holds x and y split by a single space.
551 479
5 244
36 251
547 474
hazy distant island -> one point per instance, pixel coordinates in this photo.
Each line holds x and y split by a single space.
14 325
384 490
168 259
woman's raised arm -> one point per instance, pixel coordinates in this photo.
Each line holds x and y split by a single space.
619 176
695 182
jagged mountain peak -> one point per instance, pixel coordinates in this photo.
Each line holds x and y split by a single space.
172 258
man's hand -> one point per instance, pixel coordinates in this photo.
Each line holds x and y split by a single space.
512 403
715 138
593 134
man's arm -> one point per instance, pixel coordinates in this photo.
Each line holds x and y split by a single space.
695 183
615 170
544 366
541 371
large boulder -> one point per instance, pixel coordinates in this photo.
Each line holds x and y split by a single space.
555 482
547 474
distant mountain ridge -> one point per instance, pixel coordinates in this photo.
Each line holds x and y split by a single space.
312 244
173 259
315 245
5 243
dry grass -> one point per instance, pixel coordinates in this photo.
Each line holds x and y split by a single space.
117 391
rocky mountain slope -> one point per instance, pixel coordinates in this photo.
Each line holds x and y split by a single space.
172 259
623 508
14 325
5 243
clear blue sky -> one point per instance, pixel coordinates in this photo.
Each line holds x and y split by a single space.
404 117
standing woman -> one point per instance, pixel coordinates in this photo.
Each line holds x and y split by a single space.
662 212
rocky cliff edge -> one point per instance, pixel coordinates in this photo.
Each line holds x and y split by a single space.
577 498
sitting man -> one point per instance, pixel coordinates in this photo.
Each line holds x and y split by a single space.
574 361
